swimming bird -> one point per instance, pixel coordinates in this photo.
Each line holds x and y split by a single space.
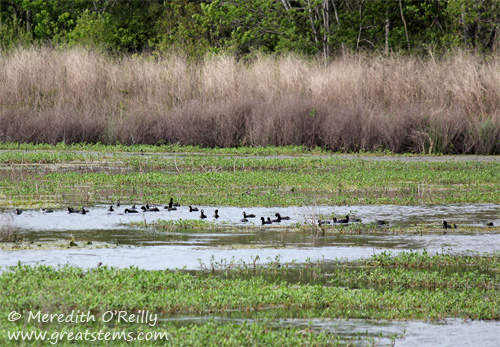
277 220
245 215
216 215
71 210
244 220
490 224
18 211
172 203
46 210
117 203
82 211
111 209
342 221
283 218
150 209
193 209
381 222
203 216
131 210
323 222
264 221
448 226
133 207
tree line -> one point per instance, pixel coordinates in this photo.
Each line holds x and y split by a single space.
311 27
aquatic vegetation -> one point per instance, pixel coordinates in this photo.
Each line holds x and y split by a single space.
166 148
210 333
22 245
421 228
375 285
177 225
425 259
249 181
411 285
46 157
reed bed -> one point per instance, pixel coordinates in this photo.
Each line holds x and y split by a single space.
449 104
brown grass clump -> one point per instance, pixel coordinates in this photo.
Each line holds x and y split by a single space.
7 232
403 104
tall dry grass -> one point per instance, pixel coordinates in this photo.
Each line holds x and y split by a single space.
8 233
405 104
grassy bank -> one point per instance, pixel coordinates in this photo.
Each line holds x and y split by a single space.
408 286
57 178
402 104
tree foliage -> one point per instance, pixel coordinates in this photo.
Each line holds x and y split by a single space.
315 27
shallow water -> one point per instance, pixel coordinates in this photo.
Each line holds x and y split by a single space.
190 256
448 333
100 219
173 257
149 249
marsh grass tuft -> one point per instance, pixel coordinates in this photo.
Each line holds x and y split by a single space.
178 225
8 233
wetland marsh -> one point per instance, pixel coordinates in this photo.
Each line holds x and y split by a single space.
294 283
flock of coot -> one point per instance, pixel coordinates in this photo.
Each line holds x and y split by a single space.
172 206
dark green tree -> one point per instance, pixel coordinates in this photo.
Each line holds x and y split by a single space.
245 27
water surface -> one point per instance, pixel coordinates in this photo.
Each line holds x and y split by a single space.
151 249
